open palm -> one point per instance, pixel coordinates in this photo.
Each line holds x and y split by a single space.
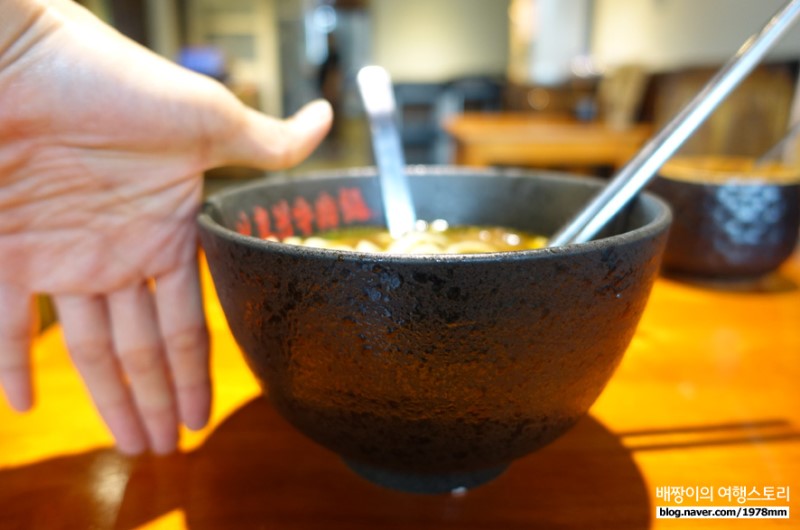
102 148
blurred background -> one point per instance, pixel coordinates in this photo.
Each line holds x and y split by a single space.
559 84
615 62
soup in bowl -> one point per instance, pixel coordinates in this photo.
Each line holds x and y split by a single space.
430 372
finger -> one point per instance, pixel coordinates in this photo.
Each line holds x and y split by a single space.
183 329
16 308
270 143
87 330
138 345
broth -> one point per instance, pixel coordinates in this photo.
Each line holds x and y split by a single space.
721 170
430 238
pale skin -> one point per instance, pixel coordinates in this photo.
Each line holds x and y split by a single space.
102 149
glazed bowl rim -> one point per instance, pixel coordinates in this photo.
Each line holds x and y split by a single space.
740 171
660 222
733 182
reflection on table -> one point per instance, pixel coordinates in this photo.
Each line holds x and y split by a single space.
706 396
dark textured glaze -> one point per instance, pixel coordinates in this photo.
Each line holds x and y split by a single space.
435 365
733 230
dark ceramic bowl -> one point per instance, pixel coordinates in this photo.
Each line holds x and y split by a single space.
429 373
730 221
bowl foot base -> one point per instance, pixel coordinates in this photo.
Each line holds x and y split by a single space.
424 482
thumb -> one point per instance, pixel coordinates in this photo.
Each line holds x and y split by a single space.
270 143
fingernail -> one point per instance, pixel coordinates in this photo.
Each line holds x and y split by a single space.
165 450
19 392
127 432
314 113
131 447
196 422
194 405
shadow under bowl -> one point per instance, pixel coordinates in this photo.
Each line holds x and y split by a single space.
430 373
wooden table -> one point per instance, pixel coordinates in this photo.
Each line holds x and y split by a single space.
525 139
708 395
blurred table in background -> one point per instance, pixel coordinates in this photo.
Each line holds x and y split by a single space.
528 139
706 397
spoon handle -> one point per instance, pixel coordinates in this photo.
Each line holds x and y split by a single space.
776 152
642 167
375 86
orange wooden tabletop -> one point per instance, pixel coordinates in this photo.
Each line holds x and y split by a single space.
707 397
527 139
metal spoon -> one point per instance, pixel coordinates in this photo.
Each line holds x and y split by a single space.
777 151
375 86
638 172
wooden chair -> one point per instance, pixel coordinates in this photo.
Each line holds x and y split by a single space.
747 123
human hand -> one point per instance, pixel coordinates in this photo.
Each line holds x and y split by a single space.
102 149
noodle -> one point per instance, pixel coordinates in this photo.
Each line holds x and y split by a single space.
434 238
